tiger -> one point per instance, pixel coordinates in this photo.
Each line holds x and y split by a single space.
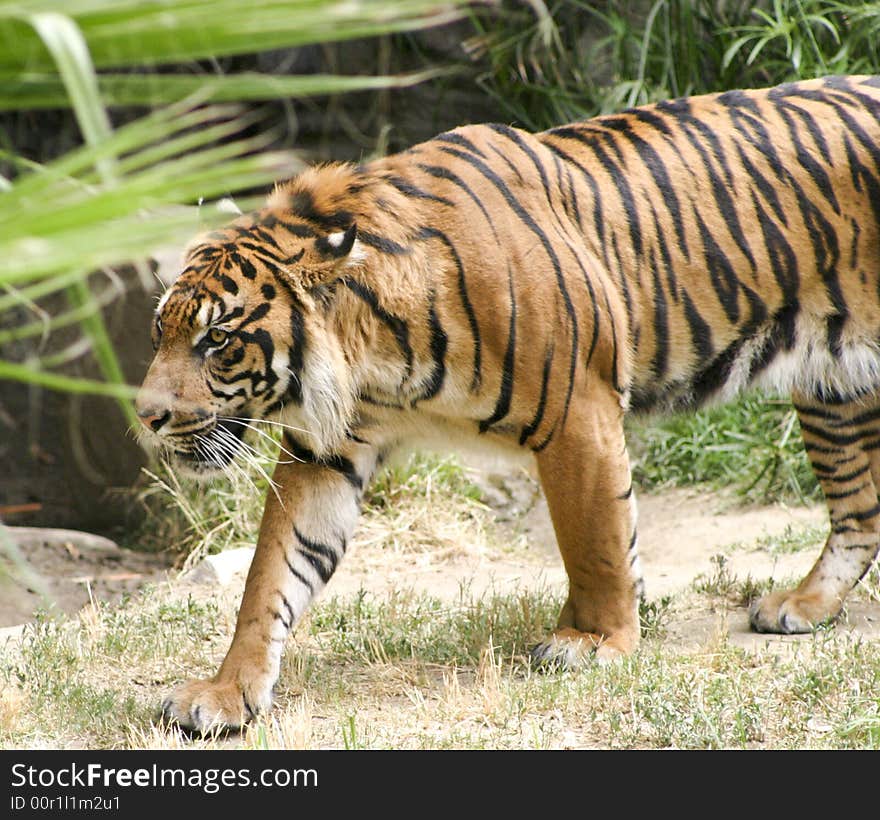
529 290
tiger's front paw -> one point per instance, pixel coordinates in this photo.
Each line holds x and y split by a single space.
570 648
791 612
208 706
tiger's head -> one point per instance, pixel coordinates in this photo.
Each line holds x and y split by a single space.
245 333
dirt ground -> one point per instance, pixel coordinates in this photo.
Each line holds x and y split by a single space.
65 569
680 531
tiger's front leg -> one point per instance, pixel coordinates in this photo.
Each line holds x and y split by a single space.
303 536
586 479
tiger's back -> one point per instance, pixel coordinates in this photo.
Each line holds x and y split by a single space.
750 227
735 235
528 290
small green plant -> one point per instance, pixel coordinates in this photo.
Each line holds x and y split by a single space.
720 582
653 616
751 588
792 539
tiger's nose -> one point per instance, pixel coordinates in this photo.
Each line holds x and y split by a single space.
153 418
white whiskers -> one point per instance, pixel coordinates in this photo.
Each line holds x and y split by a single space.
245 422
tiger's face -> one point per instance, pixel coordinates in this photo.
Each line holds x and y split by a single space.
244 334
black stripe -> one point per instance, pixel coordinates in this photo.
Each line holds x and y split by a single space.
724 279
247 269
720 187
839 439
322 558
618 177
666 257
846 477
438 354
657 169
633 326
506 160
299 576
297 229
615 382
532 426
598 214
660 359
861 174
383 244
571 197
398 327
816 172
863 418
288 607
462 142
439 172
229 284
338 463
408 189
511 134
821 413
502 405
256 314
847 493
264 341
302 203
701 332
767 189
427 232
682 113
862 515
783 260
818 448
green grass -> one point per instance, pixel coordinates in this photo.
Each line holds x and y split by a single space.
412 671
752 446
574 59
407 625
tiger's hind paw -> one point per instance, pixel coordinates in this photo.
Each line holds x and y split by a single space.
791 612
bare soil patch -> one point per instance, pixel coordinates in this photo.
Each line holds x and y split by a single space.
680 531
67 568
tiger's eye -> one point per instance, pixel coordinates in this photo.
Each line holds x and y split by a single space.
216 336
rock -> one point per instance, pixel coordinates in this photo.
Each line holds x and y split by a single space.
11 635
220 569
63 570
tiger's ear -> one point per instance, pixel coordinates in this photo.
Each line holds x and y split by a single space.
336 247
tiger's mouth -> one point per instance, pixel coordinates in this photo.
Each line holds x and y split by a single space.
211 450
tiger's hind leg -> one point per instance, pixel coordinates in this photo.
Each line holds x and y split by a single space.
585 475
843 443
